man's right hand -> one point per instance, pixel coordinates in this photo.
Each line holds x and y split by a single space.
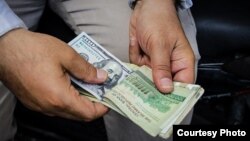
158 40
36 68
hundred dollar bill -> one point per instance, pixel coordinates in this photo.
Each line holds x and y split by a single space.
96 55
131 92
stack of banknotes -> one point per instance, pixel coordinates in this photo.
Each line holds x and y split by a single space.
130 91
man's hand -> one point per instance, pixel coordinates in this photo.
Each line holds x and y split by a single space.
36 68
157 40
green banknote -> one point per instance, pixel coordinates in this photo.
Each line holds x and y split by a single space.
135 96
153 111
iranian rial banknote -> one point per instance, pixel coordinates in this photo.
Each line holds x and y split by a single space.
95 54
131 92
140 101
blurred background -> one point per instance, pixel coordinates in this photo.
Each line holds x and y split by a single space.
223 36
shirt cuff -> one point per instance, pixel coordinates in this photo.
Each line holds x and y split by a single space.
131 3
184 4
8 19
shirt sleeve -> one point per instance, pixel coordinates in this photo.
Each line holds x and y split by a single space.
131 3
184 4
8 19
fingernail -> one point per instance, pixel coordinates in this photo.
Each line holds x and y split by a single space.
166 84
101 74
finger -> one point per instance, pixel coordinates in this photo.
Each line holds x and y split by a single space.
87 109
184 66
79 107
81 69
134 48
92 110
160 62
134 51
186 75
100 110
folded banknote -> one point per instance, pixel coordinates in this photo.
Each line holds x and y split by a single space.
130 91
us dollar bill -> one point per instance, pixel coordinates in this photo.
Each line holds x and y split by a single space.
131 92
98 56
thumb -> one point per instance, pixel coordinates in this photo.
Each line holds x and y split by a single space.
161 67
81 69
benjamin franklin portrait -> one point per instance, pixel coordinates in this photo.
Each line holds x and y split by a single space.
114 70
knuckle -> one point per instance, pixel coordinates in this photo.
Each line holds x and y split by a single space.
162 67
87 72
154 41
72 56
133 59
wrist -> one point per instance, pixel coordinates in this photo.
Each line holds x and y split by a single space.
133 3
